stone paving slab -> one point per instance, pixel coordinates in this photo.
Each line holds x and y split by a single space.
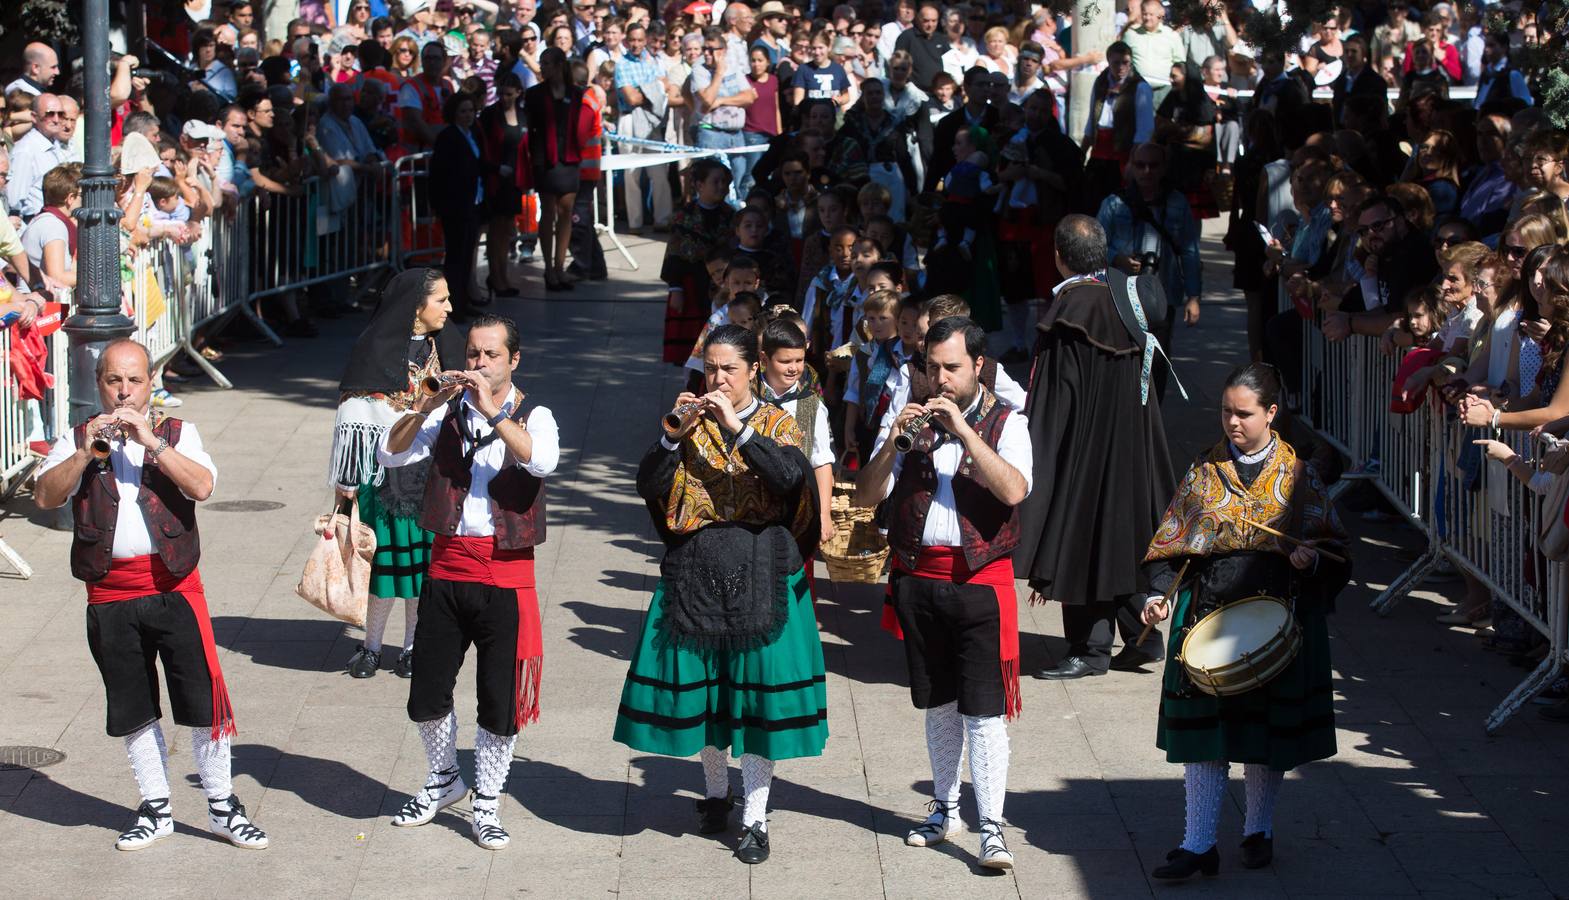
1418 801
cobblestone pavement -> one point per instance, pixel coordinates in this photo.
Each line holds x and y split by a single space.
1418 800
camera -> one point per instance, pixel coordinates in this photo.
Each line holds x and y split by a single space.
1149 262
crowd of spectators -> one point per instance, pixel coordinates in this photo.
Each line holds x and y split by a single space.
930 139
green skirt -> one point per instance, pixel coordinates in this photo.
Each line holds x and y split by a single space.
402 549
1285 723
771 701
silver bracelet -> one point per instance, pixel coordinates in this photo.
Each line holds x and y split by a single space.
152 455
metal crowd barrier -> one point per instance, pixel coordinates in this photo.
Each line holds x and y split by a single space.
1472 511
269 245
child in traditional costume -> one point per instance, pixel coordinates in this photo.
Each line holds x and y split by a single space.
1253 477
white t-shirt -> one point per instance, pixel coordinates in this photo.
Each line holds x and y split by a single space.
131 537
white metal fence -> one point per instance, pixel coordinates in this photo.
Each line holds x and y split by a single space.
270 245
1472 511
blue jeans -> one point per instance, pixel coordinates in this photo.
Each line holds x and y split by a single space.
744 182
714 139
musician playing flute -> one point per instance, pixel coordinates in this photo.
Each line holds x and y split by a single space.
952 517
405 344
136 545
729 657
485 504
1253 476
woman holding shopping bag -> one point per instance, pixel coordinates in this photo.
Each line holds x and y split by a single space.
406 342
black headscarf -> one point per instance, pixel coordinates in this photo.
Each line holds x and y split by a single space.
380 361
1190 105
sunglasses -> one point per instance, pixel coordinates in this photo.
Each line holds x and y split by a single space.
1380 225
1514 251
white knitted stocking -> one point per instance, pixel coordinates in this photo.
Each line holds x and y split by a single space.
988 737
1205 785
716 773
756 775
945 748
149 761
1263 786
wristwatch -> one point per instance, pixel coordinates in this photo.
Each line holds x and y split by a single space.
152 455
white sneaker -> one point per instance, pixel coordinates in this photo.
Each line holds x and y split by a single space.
942 824
226 818
994 850
153 822
441 790
488 832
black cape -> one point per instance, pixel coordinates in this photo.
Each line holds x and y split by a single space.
379 362
1103 471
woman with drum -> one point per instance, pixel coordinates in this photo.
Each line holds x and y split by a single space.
1250 554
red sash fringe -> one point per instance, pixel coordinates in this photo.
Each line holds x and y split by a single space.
143 576
477 560
947 564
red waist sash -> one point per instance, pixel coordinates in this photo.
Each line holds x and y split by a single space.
1105 146
947 564
478 561
145 576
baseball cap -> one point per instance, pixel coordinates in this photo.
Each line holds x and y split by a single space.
698 8
410 7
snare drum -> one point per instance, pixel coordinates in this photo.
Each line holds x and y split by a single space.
1241 646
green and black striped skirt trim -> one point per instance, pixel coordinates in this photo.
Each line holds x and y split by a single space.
402 549
771 701
1285 723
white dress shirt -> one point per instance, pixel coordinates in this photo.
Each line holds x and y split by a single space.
1007 390
31 159
131 537
942 520
488 462
821 453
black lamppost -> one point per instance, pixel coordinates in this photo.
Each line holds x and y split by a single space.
98 319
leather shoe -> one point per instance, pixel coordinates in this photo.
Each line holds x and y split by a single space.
1258 850
1182 864
1132 659
713 815
753 848
1070 668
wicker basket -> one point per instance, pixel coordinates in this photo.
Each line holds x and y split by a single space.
858 551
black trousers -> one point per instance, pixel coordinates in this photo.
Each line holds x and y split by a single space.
453 615
1091 627
127 637
952 644
461 234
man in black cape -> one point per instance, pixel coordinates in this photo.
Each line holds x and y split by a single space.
1103 471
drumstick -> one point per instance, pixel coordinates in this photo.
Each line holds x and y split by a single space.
1298 541
1172 592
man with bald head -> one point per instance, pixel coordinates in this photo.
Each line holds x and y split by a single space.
40 67
133 482
39 150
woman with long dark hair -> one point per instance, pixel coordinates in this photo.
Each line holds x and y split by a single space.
503 129
558 130
729 657
406 341
457 191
